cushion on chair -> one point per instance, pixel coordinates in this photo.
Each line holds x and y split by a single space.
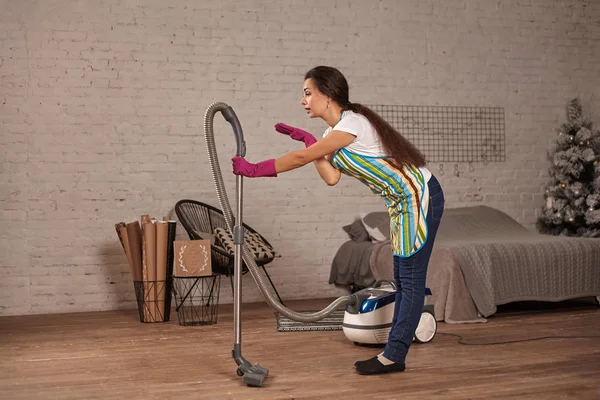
259 249
377 224
357 231
205 235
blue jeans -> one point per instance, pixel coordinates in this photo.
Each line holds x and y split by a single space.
410 274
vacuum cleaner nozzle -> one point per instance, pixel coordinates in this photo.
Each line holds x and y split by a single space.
255 376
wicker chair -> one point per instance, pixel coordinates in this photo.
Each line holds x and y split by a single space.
199 221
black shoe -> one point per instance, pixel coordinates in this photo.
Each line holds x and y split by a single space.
356 364
372 366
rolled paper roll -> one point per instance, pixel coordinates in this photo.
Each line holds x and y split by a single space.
170 260
118 227
134 237
170 247
135 248
145 220
162 237
150 245
123 234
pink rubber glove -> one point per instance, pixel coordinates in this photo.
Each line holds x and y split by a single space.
296 134
244 168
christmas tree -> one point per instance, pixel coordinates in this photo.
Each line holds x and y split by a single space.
572 197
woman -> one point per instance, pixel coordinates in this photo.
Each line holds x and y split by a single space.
359 143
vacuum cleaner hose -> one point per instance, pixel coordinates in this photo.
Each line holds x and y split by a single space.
256 272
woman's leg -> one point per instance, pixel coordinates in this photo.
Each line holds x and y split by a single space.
410 274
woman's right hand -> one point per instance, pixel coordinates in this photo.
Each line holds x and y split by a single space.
244 168
296 134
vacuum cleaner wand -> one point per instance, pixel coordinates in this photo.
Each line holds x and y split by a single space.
253 375
230 117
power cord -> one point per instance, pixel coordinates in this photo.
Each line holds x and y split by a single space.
460 338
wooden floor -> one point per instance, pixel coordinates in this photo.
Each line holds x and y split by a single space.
111 355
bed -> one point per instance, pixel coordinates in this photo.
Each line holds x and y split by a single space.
482 258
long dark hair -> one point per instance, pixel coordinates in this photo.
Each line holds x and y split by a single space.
332 83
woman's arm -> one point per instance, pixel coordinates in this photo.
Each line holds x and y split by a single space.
334 141
327 172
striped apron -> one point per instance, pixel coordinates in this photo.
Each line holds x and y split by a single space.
404 191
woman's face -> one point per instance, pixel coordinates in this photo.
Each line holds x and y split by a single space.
314 102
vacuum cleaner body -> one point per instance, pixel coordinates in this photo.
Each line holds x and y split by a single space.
370 320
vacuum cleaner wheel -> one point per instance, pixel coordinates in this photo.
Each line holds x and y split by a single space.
426 329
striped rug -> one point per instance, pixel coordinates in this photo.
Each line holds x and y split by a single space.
333 322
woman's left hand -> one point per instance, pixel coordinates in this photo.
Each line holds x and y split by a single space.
296 134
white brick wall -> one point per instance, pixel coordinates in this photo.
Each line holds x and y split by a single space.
101 108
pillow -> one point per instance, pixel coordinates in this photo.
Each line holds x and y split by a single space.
377 225
259 249
206 236
357 231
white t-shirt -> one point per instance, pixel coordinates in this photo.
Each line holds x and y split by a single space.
367 141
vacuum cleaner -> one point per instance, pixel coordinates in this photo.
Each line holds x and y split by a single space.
369 321
254 375
366 312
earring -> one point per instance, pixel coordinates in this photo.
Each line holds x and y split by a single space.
328 104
